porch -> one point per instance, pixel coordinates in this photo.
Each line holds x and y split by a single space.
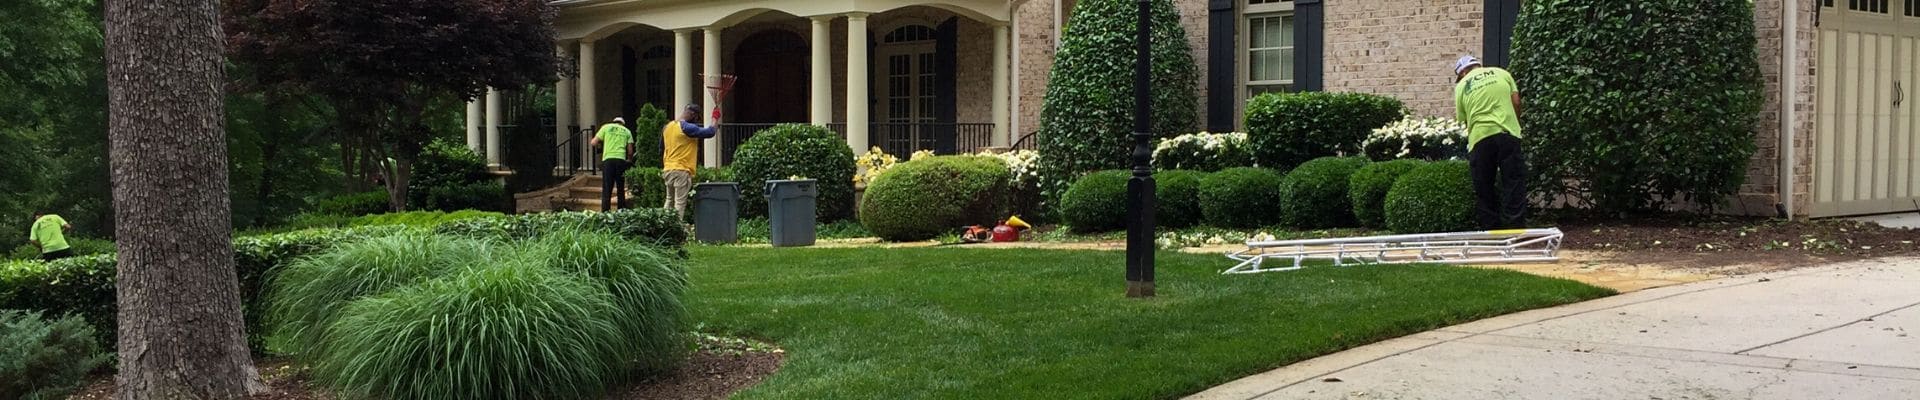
899 75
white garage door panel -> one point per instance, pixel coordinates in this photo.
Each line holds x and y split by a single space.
1867 134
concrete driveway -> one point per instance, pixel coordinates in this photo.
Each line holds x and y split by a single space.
1846 331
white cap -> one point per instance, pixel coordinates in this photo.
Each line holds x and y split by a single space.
1464 63
620 120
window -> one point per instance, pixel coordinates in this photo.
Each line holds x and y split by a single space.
910 33
1267 41
1872 6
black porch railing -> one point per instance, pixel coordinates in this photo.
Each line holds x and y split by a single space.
899 139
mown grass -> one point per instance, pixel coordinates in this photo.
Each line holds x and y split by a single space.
949 323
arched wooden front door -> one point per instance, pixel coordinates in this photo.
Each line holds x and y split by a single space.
772 66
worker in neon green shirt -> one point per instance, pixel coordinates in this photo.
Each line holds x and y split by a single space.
1488 101
616 147
49 233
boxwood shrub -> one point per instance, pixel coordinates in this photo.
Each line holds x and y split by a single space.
925 198
1437 197
1177 195
1086 117
788 150
1314 196
1097 202
1367 189
1241 198
45 359
1288 129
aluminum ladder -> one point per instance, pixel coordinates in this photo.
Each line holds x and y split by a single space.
1478 247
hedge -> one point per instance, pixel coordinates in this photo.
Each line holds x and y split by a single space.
444 164
1437 197
1097 202
922 199
1177 195
1314 196
1636 105
789 150
1241 198
1288 129
1086 118
1367 189
653 226
356 204
421 219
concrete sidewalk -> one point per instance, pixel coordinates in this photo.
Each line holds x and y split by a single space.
1847 331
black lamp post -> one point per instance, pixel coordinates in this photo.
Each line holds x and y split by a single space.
1140 196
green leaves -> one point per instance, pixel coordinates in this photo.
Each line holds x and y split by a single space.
1288 129
1314 196
922 199
1638 105
1086 122
1437 197
796 149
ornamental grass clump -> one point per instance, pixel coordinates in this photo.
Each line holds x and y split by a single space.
645 282
308 295
513 330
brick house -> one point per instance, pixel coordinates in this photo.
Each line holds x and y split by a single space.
953 75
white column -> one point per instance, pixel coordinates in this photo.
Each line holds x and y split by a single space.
683 80
857 82
1001 111
712 67
493 127
822 70
588 103
562 113
473 123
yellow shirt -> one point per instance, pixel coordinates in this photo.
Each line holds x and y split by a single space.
1483 100
682 153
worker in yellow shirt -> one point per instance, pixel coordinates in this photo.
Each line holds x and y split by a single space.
1488 101
49 233
682 138
616 146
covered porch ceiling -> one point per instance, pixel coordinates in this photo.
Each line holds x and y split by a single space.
595 19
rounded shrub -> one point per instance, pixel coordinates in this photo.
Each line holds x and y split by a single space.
787 150
513 330
646 284
1285 130
307 296
1177 195
1086 118
1594 72
1097 202
922 199
1240 198
1314 196
1437 197
1367 189
443 164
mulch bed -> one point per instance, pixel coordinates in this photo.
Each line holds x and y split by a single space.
1713 241
719 368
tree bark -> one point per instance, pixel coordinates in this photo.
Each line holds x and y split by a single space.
181 332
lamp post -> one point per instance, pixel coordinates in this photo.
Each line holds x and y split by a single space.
1140 196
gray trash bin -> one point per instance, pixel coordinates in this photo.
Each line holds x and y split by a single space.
790 211
716 212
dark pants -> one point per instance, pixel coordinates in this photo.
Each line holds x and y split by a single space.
57 254
613 182
1499 182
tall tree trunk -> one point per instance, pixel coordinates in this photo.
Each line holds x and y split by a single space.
181 332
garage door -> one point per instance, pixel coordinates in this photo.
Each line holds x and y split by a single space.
1868 132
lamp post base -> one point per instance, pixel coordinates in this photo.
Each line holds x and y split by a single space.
1139 289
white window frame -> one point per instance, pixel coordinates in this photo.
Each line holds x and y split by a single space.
1243 82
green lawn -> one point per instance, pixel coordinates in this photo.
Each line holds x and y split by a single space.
973 323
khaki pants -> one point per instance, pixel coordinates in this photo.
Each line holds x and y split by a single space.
677 183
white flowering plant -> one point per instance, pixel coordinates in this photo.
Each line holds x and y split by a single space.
920 154
1417 138
1203 151
1023 163
870 165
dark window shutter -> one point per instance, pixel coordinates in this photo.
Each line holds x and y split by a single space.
1222 77
1498 32
946 47
1309 44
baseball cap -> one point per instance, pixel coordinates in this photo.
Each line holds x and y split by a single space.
620 120
1464 63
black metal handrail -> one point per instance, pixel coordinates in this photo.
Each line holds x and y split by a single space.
897 138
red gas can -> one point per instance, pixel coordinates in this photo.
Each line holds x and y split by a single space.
1004 233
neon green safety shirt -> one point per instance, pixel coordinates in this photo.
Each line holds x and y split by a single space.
49 231
613 140
1483 100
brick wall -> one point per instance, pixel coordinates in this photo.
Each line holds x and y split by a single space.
1761 191
1034 42
1401 48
